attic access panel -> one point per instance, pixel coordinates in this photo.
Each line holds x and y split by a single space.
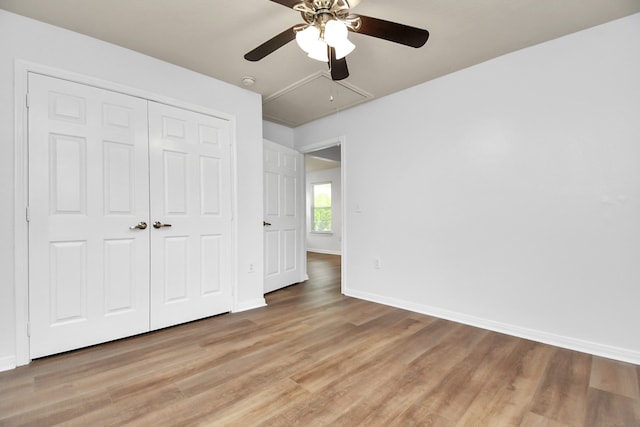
311 98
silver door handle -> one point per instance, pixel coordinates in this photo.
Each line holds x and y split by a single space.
139 226
158 224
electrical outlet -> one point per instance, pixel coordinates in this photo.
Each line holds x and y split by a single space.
252 268
376 263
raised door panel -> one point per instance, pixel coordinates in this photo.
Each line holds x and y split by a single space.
272 253
68 282
120 275
174 259
174 181
211 185
290 250
88 183
211 256
119 183
67 174
272 194
290 191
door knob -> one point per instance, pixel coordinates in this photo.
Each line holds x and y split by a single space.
140 226
158 224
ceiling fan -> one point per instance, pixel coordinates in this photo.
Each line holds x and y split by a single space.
323 36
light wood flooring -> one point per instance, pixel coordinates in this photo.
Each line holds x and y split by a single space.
316 358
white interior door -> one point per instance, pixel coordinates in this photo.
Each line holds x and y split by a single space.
285 261
190 170
88 184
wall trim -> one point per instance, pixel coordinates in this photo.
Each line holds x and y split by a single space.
324 251
250 305
596 349
21 200
21 184
7 363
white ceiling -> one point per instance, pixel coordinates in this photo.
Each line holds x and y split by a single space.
327 158
313 164
211 37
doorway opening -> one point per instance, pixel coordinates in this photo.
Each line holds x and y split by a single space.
323 177
324 210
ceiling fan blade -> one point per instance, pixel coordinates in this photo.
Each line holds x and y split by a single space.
271 45
287 3
338 67
392 31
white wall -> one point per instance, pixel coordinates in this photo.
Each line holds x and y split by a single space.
28 40
326 243
277 133
506 195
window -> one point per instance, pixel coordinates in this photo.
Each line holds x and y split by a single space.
321 208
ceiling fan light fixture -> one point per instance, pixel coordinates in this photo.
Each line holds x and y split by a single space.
324 33
314 41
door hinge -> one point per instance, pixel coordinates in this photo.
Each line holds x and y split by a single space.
28 329
28 214
27 99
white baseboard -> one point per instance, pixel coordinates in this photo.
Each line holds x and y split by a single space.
7 363
323 251
596 349
250 305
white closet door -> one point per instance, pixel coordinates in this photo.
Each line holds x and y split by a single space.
190 157
88 184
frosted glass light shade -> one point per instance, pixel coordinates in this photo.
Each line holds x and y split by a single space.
307 38
335 32
320 52
344 48
309 41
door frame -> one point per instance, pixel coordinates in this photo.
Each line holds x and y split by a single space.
21 182
342 141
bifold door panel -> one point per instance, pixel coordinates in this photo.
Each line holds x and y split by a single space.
88 181
98 268
191 190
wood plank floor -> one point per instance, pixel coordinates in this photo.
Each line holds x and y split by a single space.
316 358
